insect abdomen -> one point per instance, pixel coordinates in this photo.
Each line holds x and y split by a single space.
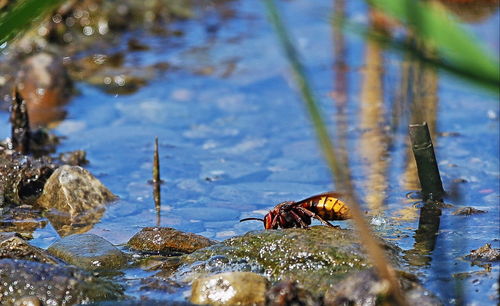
329 208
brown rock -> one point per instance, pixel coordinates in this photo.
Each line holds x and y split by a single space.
74 190
15 247
167 240
45 85
287 293
232 288
467 211
485 253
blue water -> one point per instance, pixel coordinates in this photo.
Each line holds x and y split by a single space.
235 139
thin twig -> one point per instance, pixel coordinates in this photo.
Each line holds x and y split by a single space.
156 176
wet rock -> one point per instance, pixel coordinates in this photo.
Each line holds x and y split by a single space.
74 158
14 246
485 253
165 264
89 252
158 284
122 80
233 288
467 211
287 293
51 284
22 178
365 288
23 220
45 85
315 257
28 301
74 190
167 240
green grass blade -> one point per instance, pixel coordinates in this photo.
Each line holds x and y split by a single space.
406 47
339 172
455 47
21 14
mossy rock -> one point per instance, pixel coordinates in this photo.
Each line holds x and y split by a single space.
316 257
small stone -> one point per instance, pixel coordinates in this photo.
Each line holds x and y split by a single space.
485 253
14 246
232 288
74 190
289 293
467 211
167 240
75 158
89 252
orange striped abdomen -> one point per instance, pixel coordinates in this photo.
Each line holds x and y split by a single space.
329 208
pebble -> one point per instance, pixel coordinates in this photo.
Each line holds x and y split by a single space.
231 288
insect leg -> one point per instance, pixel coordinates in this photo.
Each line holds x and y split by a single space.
298 219
274 224
313 215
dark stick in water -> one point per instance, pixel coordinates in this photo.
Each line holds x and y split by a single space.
428 172
20 130
156 176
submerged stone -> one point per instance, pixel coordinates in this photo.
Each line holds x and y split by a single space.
167 240
467 211
14 246
365 288
232 288
74 190
89 252
287 293
485 253
315 258
51 284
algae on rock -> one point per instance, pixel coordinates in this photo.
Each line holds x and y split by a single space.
316 258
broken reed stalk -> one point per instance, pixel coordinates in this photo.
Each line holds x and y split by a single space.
156 176
20 129
339 172
427 168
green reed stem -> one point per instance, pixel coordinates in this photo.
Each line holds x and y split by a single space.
339 172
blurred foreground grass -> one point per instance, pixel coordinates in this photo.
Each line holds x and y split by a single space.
18 16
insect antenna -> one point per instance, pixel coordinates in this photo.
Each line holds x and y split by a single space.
248 219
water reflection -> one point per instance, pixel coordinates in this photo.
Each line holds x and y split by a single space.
373 140
419 87
340 87
66 225
425 235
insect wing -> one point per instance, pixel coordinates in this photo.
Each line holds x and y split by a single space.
315 199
